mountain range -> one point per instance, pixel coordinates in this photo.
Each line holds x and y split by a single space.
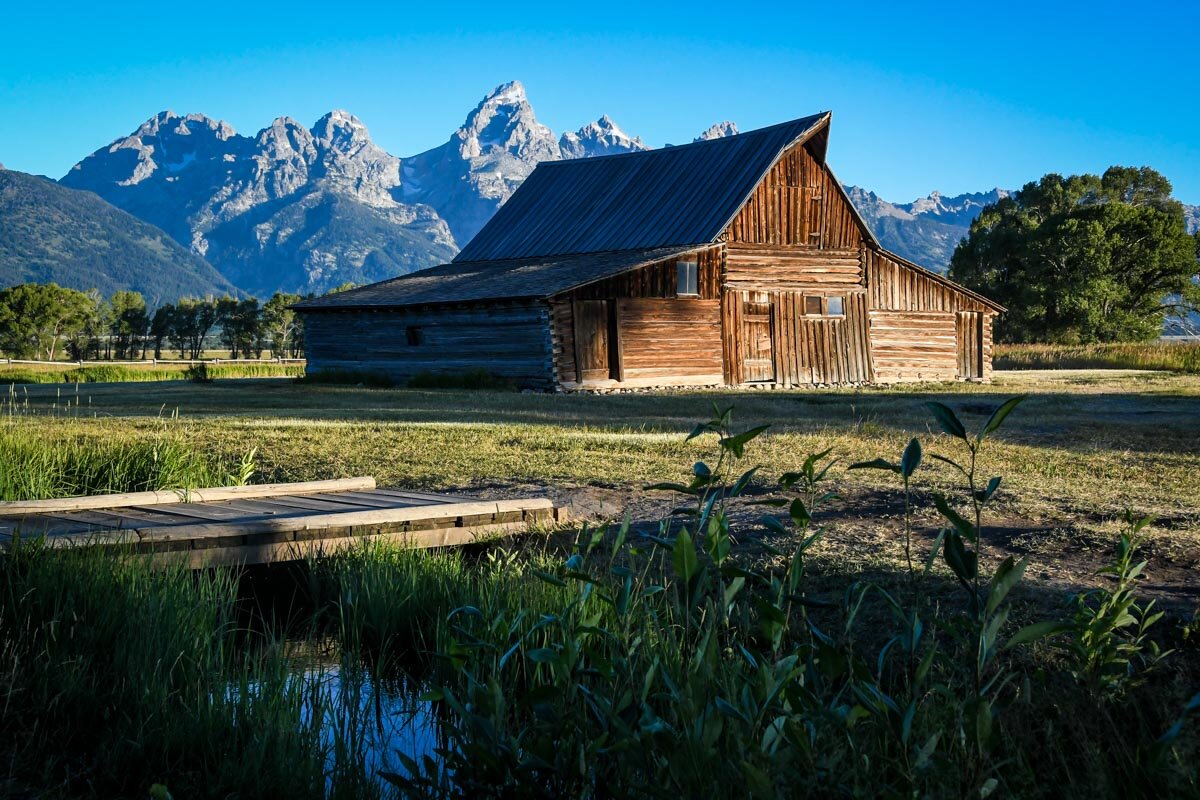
307 209
49 233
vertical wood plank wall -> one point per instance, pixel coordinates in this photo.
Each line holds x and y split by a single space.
915 330
508 340
662 339
797 236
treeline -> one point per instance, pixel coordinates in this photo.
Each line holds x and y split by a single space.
1084 259
47 321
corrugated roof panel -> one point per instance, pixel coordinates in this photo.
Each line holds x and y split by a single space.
673 196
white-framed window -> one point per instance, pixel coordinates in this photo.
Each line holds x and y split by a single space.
687 279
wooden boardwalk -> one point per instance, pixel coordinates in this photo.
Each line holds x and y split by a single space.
266 524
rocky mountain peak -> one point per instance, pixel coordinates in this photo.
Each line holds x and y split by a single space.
958 210
718 131
504 122
168 123
341 130
600 138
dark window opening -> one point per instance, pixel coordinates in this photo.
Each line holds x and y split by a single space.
812 305
687 279
414 335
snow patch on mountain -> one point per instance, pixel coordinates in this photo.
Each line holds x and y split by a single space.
600 138
718 131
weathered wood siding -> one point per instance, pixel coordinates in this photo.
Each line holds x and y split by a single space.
796 236
826 349
797 204
661 339
923 329
896 287
675 341
913 346
511 341
777 268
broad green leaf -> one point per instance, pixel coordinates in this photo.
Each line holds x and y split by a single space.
543 655
799 513
732 589
737 444
911 459
947 419
983 724
960 560
743 482
878 463
671 487
999 415
548 578
1037 631
1008 575
964 528
683 556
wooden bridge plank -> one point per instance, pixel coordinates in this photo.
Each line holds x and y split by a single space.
171 497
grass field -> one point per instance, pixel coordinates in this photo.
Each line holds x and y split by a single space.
1172 356
148 372
610 664
1082 449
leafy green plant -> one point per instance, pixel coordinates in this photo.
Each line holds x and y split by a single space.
1110 641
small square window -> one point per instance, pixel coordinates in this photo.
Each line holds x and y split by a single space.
812 305
687 278
414 335
835 307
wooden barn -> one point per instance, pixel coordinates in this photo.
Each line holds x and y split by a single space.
725 262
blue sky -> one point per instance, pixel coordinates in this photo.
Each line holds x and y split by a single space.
956 97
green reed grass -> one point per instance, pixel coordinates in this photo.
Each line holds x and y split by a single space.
1168 356
34 466
211 372
121 373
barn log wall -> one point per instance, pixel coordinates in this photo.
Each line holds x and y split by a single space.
511 341
921 326
798 236
675 340
777 268
655 280
662 339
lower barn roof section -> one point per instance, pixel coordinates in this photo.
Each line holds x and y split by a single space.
511 279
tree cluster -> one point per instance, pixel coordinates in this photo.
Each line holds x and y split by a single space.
44 321
1084 258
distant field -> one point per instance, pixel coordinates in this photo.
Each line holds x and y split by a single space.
100 372
1084 446
1171 356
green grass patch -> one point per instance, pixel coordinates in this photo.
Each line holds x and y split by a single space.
123 373
211 372
1169 356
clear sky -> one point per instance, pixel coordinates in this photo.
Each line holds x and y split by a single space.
957 96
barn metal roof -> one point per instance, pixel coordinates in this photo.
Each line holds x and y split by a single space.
684 195
472 281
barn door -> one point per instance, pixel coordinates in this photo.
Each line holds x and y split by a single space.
757 362
968 330
596 356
